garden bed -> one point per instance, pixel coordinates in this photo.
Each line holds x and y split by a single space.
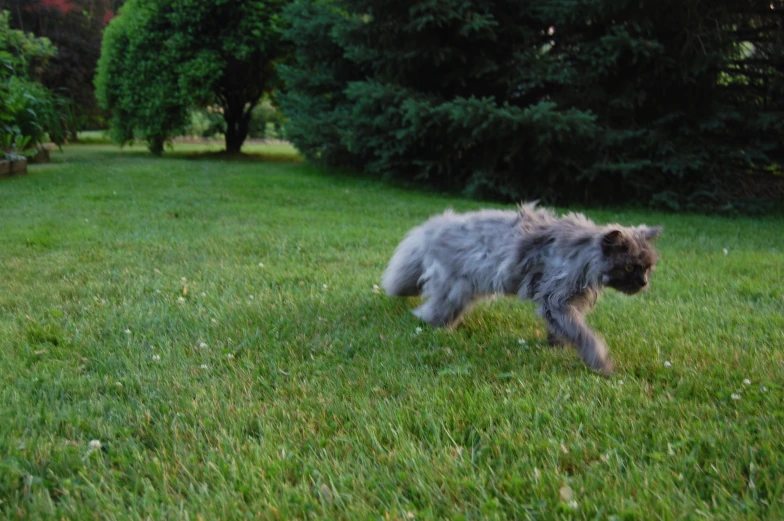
15 167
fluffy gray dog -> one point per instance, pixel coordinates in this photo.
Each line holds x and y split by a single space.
561 264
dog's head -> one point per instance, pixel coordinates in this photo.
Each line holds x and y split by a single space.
630 257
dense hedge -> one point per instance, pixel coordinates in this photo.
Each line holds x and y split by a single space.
677 103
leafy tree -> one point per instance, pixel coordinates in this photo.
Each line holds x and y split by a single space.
666 100
137 79
28 111
75 27
161 57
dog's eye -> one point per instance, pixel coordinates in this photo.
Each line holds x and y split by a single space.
629 268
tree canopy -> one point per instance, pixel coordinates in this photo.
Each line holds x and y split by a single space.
75 27
160 57
28 111
674 102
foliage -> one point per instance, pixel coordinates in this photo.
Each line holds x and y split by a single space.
665 101
294 391
34 111
693 114
267 121
75 27
205 122
22 54
15 146
315 81
27 109
137 79
94 137
201 52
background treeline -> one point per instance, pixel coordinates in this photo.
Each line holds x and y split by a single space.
672 102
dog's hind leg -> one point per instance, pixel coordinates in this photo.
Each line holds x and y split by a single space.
445 304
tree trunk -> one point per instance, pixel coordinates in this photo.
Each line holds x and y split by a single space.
155 145
237 119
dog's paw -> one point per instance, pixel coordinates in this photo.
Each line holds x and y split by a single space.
606 367
555 341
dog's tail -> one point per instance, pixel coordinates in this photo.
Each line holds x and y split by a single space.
401 278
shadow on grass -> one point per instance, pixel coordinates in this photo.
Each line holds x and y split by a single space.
242 157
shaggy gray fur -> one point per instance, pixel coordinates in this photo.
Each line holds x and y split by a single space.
562 264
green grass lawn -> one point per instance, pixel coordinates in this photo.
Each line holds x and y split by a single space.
214 325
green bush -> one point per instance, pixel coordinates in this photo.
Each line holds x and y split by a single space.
15 146
315 99
267 121
34 112
29 113
206 122
572 101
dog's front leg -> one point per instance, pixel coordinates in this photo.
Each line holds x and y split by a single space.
567 322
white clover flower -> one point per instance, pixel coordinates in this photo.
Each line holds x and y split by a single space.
620 382
746 381
184 279
95 444
376 289
668 364
204 366
127 331
251 297
202 345
573 504
726 251
735 397
418 330
521 341
181 300
261 264
230 356
567 494
324 286
156 357
214 321
118 384
203 293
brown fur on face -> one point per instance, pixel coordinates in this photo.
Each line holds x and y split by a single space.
631 258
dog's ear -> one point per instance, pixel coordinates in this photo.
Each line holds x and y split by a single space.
652 233
614 242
